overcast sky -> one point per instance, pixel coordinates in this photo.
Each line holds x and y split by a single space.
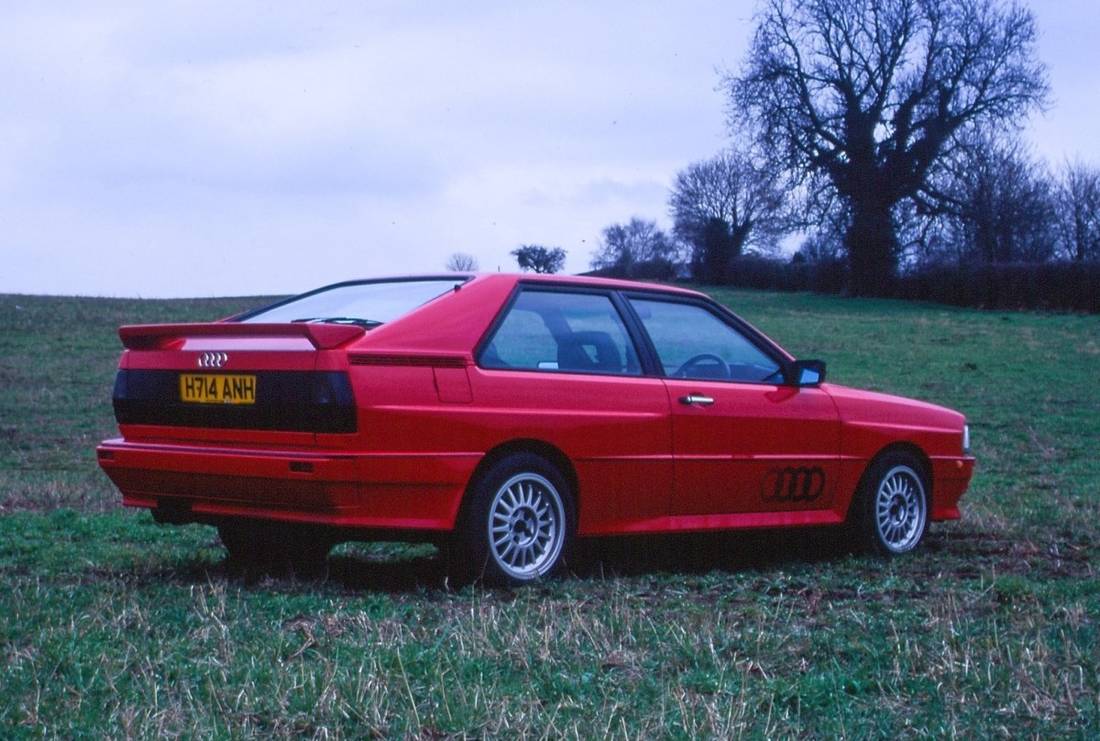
212 148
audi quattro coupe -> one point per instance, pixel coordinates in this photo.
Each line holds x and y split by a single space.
505 416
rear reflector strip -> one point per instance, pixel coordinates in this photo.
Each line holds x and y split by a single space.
291 401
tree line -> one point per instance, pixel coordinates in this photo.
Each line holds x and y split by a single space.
1000 204
888 134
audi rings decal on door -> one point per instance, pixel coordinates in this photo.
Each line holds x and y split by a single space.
793 484
213 360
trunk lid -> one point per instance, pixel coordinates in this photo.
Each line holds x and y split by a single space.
230 382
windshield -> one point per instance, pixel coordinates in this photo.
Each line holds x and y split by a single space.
373 303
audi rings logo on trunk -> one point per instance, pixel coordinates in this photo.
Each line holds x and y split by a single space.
793 484
213 359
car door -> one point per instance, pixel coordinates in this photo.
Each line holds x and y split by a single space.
561 366
743 440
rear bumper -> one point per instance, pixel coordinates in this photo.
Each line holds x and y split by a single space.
414 491
950 479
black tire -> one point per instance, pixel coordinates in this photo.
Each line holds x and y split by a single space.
274 543
531 505
889 516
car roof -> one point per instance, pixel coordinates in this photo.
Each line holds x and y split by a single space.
583 281
456 323
589 281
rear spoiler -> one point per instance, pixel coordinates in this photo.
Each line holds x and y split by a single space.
160 336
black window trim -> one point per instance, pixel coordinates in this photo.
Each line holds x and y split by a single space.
647 359
756 338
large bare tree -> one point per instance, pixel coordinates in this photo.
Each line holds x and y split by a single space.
864 98
721 206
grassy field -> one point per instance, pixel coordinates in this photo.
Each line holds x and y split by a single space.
112 625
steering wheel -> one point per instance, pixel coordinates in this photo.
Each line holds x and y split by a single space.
700 359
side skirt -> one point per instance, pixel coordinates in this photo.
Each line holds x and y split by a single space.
730 521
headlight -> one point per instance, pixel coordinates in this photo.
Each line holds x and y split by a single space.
966 438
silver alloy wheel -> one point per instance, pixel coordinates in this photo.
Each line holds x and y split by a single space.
900 509
526 526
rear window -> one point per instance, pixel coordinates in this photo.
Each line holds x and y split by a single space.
357 302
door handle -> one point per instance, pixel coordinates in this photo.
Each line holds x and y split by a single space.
699 399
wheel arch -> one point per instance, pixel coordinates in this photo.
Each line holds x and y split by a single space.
549 452
901 446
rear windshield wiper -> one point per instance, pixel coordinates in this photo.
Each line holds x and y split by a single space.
357 321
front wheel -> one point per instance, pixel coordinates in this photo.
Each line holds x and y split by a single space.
892 507
517 525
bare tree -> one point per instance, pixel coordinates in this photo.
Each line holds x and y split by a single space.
818 247
461 262
721 206
1078 199
539 259
998 203
865 97
636 249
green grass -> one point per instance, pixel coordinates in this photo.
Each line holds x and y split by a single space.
113 625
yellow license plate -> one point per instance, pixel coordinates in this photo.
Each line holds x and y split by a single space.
204 388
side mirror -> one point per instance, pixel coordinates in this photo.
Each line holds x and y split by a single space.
806 372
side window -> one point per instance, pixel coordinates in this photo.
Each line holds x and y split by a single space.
560 331
691 342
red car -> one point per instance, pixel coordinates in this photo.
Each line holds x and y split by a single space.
507 416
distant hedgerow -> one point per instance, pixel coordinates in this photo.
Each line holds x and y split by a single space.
1059 286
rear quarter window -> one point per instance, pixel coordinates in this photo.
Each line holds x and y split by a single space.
562 331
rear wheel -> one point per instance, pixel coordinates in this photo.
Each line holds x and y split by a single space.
275 543
891 513
517 525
